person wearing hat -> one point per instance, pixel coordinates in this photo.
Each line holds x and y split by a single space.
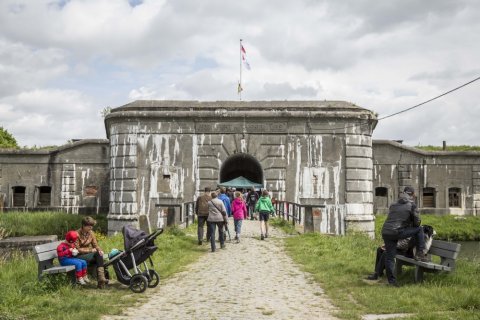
403 221
67 252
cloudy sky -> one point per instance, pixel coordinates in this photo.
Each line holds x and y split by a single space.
63 62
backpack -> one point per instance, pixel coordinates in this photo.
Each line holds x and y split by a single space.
202 205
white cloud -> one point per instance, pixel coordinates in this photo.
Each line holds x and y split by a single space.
61 62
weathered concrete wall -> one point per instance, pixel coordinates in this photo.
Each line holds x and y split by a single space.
397 166
77 175
165 152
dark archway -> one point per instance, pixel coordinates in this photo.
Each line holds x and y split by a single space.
241 164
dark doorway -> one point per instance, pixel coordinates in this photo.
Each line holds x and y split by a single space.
44 198
18 196
241 164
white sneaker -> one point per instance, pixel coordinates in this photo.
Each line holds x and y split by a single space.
80 281
85 278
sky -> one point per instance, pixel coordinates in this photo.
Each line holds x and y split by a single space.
63 62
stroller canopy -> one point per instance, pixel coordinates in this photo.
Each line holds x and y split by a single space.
131 236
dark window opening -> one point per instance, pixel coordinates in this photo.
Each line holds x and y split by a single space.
44 196
454 197
315 183
429 197
381 192
91 191
18 196
166 176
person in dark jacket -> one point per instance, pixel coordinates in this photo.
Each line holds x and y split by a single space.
403 221
201 209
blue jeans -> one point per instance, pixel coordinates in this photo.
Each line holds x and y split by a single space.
80 265
212 227
391 247
238 226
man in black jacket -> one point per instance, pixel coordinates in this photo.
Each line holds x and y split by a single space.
403 221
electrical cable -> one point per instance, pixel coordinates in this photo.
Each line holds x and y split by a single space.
405 110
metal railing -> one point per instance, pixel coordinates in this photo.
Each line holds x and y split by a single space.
186 212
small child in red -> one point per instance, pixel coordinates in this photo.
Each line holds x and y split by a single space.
66 251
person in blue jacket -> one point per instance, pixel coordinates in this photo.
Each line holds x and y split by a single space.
226 201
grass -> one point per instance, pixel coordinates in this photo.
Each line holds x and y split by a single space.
16 224
23 297
449 148
340 264
448 227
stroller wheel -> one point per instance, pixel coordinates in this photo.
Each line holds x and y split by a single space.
153 279
138 283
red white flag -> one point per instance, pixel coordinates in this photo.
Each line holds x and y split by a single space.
244 57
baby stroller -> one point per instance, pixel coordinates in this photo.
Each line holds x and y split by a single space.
139 246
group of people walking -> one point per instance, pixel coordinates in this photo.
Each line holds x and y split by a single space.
214 209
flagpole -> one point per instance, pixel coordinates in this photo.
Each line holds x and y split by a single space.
240 82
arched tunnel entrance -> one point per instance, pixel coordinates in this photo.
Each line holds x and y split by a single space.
241 164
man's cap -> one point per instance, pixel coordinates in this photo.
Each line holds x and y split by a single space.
409 190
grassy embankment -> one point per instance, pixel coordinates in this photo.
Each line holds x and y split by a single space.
340 265
23 297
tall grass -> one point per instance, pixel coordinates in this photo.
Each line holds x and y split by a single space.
22 296
18 224
448 227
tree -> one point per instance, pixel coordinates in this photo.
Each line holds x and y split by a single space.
7 140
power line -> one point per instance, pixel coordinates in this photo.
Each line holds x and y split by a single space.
405 110
420 104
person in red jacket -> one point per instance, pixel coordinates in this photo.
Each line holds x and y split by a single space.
66 252
239 210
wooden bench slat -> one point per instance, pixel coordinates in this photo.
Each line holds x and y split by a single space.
59 269
447 251
46 247
44 256
445 245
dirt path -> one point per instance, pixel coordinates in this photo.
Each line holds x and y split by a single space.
251 280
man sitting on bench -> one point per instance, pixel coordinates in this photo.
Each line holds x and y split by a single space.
403 221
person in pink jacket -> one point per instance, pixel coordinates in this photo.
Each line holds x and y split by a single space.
239 211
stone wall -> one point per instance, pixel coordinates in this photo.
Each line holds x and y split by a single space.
314 153
445 182
72 178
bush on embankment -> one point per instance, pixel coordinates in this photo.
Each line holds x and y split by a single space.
23 297
340 265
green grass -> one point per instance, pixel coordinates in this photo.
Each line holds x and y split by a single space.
340 265
17 224
448 227
23 297
449 148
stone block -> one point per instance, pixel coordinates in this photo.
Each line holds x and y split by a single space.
123 162
476 182
358 140
123 184
360 163
359 211
123 208
123 150
123 196
359 197
358 174
359 185
356 151
127 173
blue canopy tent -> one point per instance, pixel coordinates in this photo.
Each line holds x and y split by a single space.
240 182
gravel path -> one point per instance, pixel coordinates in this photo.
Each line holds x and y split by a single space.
251 280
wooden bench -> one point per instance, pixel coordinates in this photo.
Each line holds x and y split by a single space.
46 256
447 251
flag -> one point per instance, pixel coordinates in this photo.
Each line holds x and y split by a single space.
240 89
244 57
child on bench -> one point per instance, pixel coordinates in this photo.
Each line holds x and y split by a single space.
66 252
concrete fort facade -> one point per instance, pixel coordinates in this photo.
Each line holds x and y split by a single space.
309 152
161 154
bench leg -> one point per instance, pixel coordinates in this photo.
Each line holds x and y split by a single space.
418 274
